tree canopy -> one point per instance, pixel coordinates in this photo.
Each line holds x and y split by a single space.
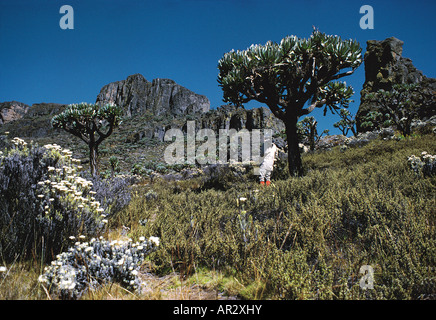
91 123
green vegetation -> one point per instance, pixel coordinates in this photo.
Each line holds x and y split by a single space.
91 123
292 78
346 123
221 234
303 238
402 104
308 132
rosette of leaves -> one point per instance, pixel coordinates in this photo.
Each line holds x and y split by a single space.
92 123
292 78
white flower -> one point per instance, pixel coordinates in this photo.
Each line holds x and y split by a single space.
104 220
134 272
67 285
141 238
154 239
242 199
3 269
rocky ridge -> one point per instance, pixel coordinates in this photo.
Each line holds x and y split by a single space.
136 95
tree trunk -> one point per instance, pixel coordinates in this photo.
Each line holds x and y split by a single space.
93 160
294 159
312 130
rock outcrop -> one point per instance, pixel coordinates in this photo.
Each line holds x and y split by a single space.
11 111
384 67
136 95
224 117
231 117
33 121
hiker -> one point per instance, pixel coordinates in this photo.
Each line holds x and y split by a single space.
267 165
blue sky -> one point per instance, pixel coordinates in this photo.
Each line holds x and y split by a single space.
181 40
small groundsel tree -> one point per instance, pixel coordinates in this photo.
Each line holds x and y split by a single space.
307 129
292 78
374 120
346 123
92 123
402 103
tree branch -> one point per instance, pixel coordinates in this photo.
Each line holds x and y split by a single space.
340 75
314 105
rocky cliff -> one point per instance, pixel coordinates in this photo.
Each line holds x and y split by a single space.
224 117
136 95
29 121
384 67
231 117
152 108
11 111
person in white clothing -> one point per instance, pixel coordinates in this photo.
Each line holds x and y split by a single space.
267 165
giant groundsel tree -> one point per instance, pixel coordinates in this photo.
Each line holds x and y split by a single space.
292 78
92 123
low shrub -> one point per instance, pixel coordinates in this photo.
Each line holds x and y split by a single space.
113 193
87 265
308 237
424 165
43 201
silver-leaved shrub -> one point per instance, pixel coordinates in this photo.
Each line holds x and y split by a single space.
424 165
87 265
43 201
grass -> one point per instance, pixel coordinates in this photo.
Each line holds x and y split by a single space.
304 238
301 238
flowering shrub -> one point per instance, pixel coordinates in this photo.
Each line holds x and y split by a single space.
89 264
425 164
43 201
114 193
